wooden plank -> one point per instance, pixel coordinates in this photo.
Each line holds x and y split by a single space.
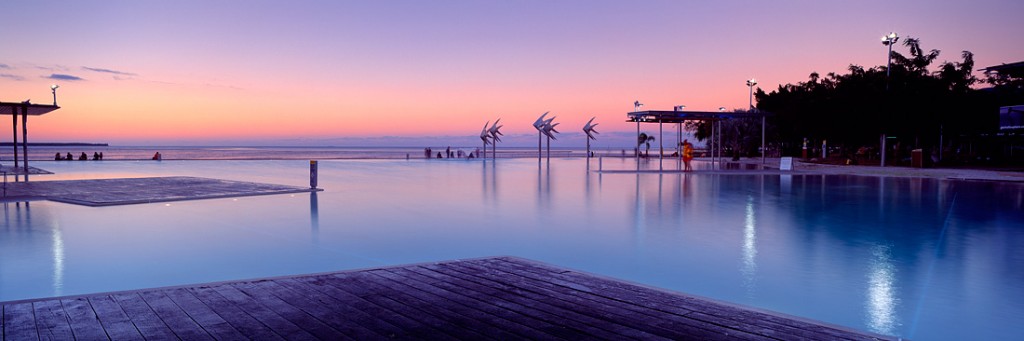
51 321
249 327
287 311
665 325
409 327
410 306
20 322
586 325
489 325
205 317
503 307
584 314
626 312
261 313
379 324
524 325
84 323
180 323
668 302
352 323
143 317
113 320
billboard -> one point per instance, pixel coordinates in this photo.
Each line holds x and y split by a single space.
1011 118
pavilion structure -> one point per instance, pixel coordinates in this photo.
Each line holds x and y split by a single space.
24 109
678 117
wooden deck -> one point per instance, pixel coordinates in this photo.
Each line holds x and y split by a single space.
492 298
128 191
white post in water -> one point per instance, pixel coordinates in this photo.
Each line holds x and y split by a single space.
312 174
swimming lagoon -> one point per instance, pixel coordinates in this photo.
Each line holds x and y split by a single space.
917 258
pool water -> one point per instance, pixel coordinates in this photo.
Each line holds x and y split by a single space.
917 258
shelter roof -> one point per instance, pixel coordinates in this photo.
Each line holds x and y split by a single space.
666 116
1013 69
33 109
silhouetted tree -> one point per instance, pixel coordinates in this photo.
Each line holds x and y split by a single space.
853 109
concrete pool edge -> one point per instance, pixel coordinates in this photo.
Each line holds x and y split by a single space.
131 191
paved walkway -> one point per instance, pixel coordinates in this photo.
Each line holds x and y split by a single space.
799 167
108 192
493 298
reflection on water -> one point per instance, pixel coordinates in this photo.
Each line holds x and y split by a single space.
749 269
871 253
882 299
314 217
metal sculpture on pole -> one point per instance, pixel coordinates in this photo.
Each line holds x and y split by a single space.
493 131
539 125
549 130
485 136
589 130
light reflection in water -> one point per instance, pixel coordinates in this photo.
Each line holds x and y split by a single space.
749 269
58 261
882 299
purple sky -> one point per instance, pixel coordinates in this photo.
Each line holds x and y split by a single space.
257 71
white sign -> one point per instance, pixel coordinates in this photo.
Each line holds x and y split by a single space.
786 163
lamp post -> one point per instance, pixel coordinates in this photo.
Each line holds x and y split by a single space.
53 88
887 40
750 84
636 108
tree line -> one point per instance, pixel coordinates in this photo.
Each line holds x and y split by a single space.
915 105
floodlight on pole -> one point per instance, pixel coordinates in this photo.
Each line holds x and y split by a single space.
53 88
889 40
750 84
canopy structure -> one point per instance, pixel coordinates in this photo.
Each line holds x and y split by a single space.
25 109
679 117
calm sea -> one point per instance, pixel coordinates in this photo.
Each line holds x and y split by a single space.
39 153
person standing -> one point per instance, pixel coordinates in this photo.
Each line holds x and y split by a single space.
687 155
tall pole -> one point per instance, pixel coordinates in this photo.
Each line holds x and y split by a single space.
14 115
549 148
24 138
750 84
888 40
539 138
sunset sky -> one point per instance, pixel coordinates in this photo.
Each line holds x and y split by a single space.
261 72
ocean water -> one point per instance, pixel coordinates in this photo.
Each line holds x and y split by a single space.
133 153
918 258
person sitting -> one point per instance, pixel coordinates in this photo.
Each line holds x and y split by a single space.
157 156
69 157
83 157
95 156
58 157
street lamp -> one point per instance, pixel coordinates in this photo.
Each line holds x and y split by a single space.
53 88
889 40
750 84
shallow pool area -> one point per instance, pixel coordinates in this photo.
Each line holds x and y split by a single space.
917 258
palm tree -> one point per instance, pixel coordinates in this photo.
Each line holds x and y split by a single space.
643 138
